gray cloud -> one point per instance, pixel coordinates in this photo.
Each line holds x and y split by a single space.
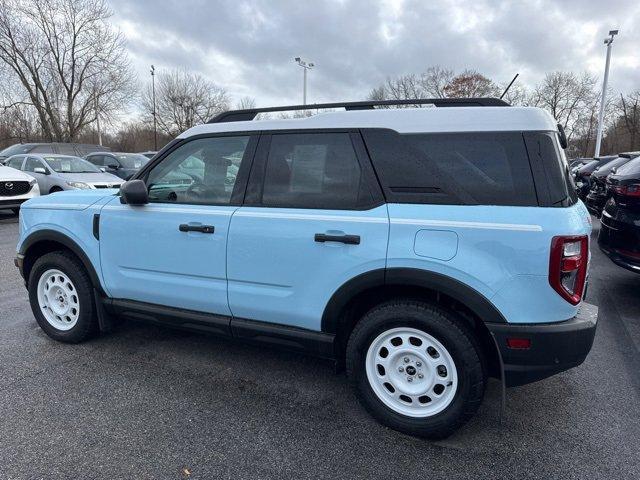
248 46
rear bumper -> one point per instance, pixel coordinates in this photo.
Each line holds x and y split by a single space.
619 241
595 203
555 347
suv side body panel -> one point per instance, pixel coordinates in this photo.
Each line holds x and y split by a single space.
501 252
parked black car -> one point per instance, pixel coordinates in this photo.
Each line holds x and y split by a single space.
582 176
578 162
599 192
124 165
74 149
619 236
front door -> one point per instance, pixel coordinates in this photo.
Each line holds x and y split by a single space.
313 219
30 166
172 251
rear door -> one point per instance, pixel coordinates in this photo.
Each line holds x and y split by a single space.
313 219
172 251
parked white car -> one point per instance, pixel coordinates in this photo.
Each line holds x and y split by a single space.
16 187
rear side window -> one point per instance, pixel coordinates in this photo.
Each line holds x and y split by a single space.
630 168
478 168
46 148
67 149
313 170
97 160
553 180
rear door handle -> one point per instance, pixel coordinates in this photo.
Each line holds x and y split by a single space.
185 227
348 239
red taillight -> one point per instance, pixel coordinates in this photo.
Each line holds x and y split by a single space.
519 343
628 190
568 266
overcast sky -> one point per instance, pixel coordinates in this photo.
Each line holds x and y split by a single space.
248 47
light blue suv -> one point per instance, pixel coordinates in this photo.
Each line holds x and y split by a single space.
424 249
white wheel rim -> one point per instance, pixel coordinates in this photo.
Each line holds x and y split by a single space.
411 372
58 299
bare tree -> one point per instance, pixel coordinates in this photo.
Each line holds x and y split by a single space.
570 98
470 83
67 59
434 81
246 103
630 112
517 95
183 100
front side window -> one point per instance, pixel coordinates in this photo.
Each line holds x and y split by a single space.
131 160
313 170
31 164
202 171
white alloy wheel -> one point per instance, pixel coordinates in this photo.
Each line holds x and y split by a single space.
411 372
58 300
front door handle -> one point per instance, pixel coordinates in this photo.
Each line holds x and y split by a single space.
348 239
185 227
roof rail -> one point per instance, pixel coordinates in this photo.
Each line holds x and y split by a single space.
250 114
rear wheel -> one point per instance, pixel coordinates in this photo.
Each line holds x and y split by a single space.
60 293
416 368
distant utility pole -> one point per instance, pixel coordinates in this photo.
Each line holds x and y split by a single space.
607 41
153 94
306 66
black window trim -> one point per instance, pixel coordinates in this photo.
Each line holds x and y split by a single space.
254 190
239 187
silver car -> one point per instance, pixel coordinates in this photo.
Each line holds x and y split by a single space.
63 172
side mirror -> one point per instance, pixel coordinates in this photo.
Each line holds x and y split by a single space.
113 166
614 170
102 169
134 192
40 170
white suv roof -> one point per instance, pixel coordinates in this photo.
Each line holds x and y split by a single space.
404 120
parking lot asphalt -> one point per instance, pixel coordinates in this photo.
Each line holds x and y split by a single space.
146 402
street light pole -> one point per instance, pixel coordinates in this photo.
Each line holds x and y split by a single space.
153 94
306 66
607 42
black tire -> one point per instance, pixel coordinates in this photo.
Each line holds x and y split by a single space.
67 263
450 330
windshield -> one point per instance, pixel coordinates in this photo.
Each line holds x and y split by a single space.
15 149
630 168
131 160
70 165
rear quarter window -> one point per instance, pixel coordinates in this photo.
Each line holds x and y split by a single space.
477 168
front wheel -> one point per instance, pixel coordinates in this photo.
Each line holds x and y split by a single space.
416 368
60 294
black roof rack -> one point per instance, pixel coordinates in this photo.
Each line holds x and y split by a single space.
250 114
